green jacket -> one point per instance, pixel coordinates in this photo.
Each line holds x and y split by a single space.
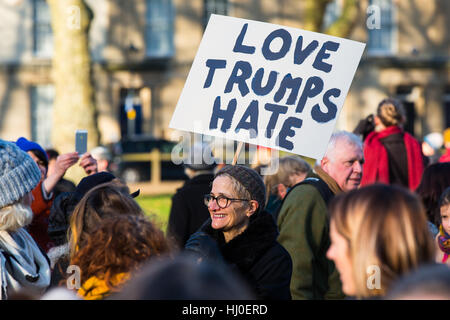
291 224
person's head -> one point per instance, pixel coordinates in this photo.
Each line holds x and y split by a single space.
52 155
343 160
444 208
19 175
65 203
198 160
377 233
105 200
435 178
183 278
291 170
390 112
432 142
429 282
103 157
237 193
36 152
119 244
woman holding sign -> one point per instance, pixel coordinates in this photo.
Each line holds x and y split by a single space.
242 234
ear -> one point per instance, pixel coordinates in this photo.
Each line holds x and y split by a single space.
253 207
324 163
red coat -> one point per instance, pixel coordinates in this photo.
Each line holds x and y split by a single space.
445 157
376 165
38 228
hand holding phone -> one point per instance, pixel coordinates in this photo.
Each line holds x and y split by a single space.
81 142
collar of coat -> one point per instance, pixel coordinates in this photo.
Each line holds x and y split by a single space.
332 184
250 245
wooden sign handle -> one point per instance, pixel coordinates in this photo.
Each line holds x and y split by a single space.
236 154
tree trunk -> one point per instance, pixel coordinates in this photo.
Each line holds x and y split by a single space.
315 12
73 106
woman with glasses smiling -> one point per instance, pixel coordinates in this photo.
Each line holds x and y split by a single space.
241 233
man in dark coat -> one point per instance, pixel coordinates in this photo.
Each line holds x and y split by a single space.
188 211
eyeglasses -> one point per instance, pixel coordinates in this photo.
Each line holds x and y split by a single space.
222 201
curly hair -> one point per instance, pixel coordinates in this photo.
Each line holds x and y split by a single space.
105 200
120 244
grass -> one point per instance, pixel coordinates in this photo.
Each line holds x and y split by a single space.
157 208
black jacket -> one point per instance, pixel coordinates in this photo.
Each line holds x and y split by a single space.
257 256
188 211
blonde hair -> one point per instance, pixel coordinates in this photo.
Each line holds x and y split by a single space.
385 226
15 216
288 166
391 112
105 200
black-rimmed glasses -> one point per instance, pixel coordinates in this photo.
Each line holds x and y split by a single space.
222 201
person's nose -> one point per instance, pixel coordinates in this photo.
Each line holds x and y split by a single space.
212 205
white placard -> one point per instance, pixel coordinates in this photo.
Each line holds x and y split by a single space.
267 85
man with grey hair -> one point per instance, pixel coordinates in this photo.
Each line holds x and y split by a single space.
303 218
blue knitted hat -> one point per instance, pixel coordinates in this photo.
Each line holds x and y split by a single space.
19 174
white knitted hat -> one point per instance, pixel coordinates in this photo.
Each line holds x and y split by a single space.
19 174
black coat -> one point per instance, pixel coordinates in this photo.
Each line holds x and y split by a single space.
257 256
188 211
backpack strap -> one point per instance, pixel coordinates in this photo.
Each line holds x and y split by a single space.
319 263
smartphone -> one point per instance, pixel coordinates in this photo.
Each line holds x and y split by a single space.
81 142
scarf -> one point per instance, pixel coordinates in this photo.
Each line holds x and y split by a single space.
376 165
444 242
22 264
97 289
332 184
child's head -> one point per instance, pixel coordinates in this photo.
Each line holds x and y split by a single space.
444 205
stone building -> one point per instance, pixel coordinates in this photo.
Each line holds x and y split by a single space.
142 51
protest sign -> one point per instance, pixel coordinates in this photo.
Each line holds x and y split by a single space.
267 85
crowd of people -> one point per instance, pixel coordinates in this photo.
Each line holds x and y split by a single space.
370 220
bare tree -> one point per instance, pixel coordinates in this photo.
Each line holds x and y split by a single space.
74 106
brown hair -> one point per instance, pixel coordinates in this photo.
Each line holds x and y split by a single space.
385 226
105 200
288 166
120 245
391 112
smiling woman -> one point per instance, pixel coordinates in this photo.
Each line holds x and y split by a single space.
243 234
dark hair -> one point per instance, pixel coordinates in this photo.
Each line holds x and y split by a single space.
41 156
435 179
444 200
184 278
119 245
52 154
428 281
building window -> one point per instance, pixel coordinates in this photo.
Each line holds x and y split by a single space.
214 6
42 29
159 29
42 114
406 94
381 27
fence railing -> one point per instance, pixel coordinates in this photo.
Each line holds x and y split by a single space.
155 157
